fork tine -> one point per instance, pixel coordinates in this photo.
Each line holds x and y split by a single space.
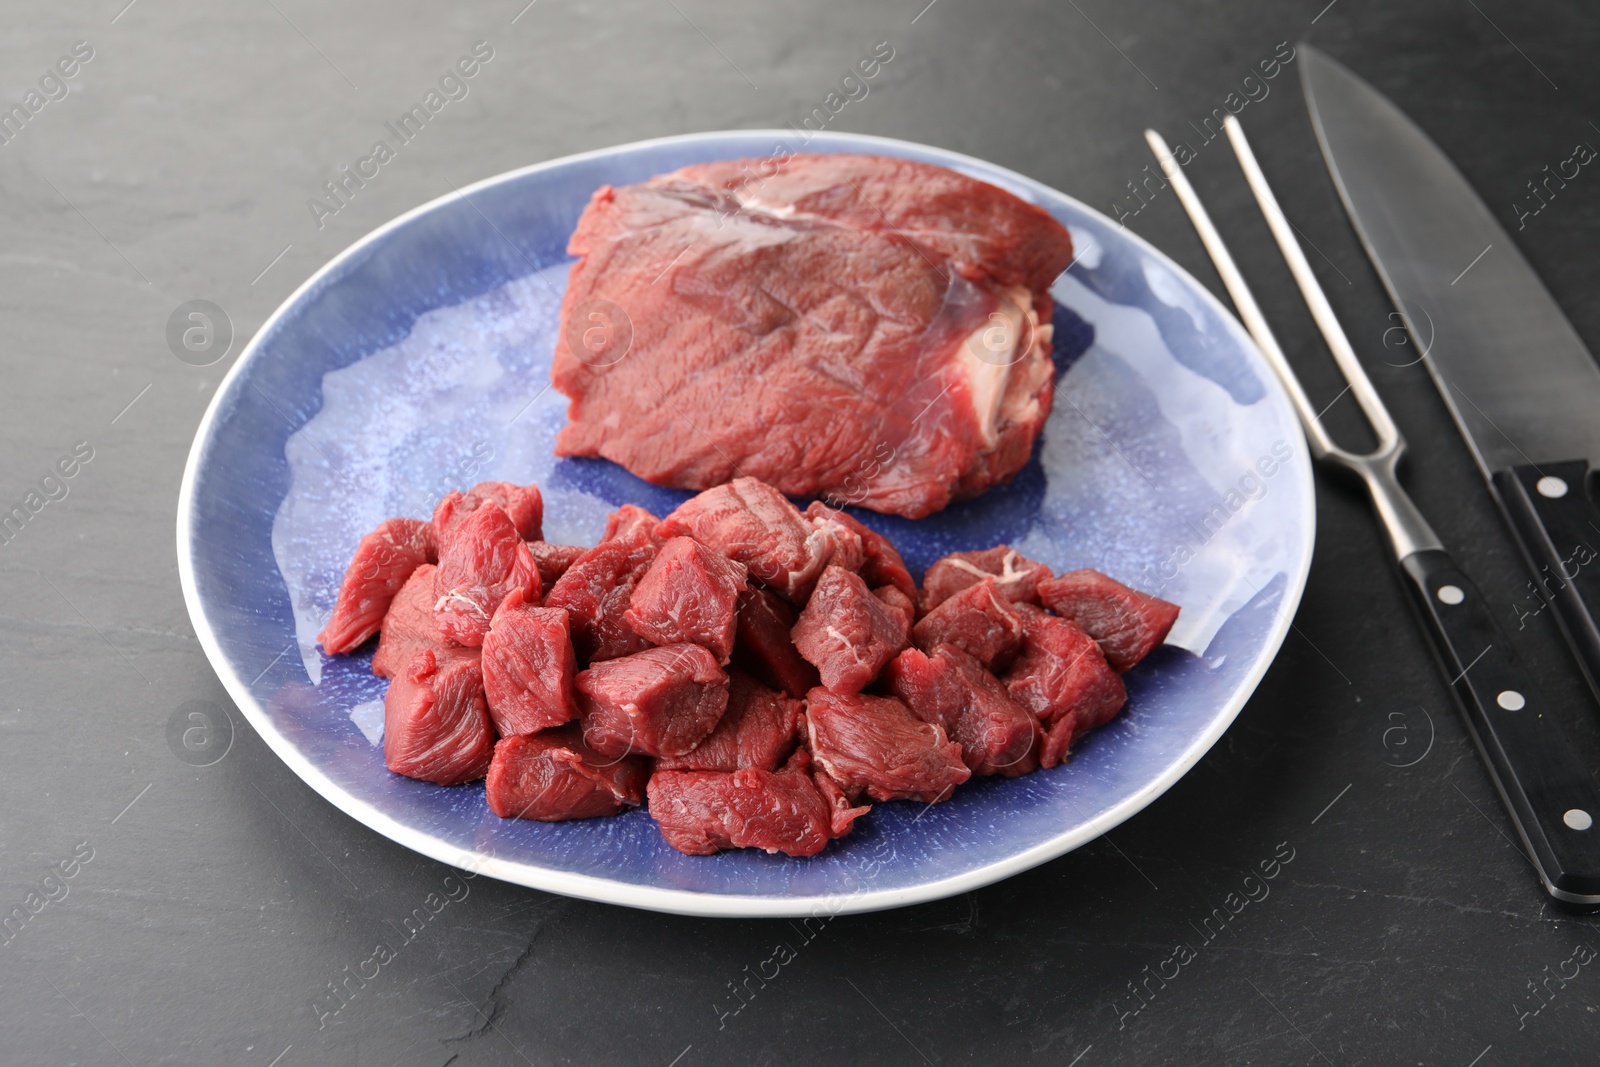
1311 289
1249 311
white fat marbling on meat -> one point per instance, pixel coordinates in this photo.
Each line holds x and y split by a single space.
764 207
990 354
816 750
1009 572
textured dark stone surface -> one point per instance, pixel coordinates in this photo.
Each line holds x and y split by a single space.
220 901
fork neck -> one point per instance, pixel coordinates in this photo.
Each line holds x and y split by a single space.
1407 530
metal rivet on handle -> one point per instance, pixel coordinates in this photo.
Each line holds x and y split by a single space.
1577 818
1551 486
1450 594
1511 700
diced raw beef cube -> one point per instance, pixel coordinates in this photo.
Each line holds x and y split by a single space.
928 685
701 812
997 735
410 626
875 745
553 775
842 543
435 719
384 560
659 702
759 729
842 811
630 523
690 593
596 590
978 620
1062 671
848 633
1058 738
1016 576
553 560
484 559
523 504
528 667
1126 622
1064 679
897 601
751 522
449 514
881 563
764 647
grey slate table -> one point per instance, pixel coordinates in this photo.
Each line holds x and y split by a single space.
208 909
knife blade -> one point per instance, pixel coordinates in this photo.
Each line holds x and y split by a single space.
1518 381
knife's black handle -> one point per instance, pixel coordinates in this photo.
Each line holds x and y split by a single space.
1552 512
1551 797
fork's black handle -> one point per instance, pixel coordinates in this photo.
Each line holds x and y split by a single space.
1551 797
1552 512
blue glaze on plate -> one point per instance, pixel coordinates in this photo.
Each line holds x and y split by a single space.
416 361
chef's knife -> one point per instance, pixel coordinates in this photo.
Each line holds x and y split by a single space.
1519 382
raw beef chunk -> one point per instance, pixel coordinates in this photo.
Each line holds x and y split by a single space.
979 620
553 560
436 721
842 811
764 647
659 702
523 504
881 563
630 523
758 730
892 598
996 734
1126 622
690 593
928 685
553 775
528 667
1016 576
848 633
384 560
482 561
950 688
752 523
596 590
854 326
1063 678
842 544
875 745
410 627
1058 739
701 812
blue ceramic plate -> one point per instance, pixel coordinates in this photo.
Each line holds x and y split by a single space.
418 360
